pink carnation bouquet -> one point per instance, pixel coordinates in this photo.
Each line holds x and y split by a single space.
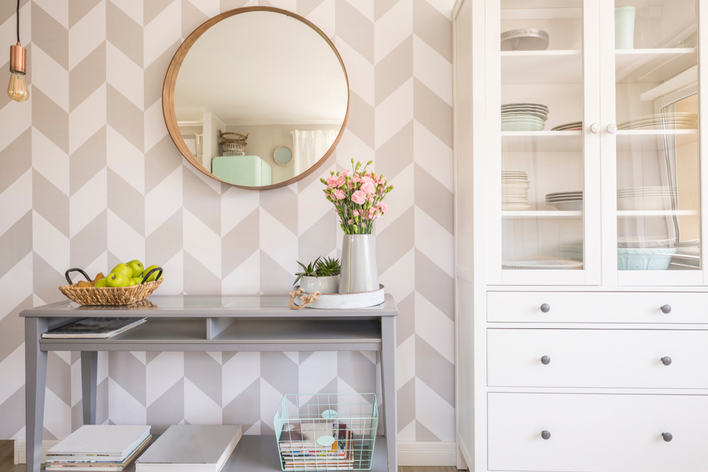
358 197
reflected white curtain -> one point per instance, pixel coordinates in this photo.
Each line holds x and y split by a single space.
310 146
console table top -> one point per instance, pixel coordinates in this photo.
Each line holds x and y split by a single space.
207 306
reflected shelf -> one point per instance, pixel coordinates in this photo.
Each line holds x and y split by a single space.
551 214
652 65
642 213
652 139
541 141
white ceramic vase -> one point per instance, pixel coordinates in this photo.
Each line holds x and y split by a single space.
320 284
359 272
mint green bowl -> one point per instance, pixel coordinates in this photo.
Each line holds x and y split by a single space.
644 258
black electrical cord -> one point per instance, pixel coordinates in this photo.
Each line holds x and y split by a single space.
18 21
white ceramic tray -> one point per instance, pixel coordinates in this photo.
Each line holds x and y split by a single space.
338 301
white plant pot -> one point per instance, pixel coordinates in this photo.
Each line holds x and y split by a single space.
320 284
359 272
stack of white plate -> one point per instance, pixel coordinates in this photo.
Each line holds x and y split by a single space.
515 190
674 120
523 117
646 198
574 126
566 201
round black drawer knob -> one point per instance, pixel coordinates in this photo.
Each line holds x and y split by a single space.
666 360
545 360
667 436
545 308
547 435
666 309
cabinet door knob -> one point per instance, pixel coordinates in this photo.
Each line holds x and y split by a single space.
545 360
547 434
545 308
666 360
595 128
667 436
612 128
666 309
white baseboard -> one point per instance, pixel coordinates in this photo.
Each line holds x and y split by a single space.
20 456
410 453
426 453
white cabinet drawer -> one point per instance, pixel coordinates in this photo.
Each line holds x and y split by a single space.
597 358
597 307
605 433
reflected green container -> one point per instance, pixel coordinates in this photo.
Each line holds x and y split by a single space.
624 27
248 171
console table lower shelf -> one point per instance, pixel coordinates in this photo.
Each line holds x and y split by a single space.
260 454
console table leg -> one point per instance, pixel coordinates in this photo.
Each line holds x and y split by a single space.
35 383
89 381
388 368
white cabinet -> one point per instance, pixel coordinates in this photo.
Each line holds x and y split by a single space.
581 289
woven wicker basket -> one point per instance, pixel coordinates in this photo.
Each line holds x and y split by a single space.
116 296
231 137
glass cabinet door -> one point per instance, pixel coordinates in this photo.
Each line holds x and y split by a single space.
655 137
544 163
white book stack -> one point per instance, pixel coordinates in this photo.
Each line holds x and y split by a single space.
99 448
191 448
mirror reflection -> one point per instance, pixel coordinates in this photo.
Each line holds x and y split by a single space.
260 98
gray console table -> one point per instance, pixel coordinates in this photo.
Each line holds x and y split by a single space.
212 324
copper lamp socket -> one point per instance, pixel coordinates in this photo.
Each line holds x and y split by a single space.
18 59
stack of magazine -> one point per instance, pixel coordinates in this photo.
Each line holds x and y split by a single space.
99 448
94 328
307 446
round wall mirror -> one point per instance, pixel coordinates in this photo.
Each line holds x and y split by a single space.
250 82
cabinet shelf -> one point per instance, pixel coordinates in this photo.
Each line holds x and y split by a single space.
551 214
651 139
652 65
541 141
643 213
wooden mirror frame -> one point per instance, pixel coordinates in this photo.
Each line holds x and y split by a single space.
168 94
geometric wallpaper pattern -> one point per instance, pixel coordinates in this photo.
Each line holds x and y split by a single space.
89 177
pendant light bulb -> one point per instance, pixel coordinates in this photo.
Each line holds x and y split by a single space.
17 89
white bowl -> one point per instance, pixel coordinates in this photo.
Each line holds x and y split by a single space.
644 203
522 126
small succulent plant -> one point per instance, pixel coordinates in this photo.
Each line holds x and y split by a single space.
320 267
309 270
328 267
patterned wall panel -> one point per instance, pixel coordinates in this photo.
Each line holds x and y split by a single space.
89 177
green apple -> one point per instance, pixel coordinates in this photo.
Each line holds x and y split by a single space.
116 279
153 277
138 280
137 267
123 269
102 283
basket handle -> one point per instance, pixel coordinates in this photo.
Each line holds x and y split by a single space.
147 276
75 269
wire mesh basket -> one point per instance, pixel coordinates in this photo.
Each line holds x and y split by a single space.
326 431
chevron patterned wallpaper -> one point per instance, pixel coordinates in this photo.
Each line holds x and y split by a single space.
89 177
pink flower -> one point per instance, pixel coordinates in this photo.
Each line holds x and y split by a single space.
350 222
339 194
335 181
382 206
356 179
347 173
367 178
368 187
393 186
371 199
363 225
356 212
359 197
